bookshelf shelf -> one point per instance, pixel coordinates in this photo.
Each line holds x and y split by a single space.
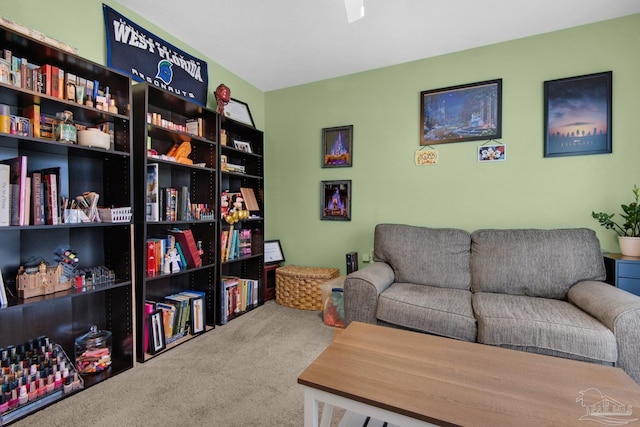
63 316
243 266
160 121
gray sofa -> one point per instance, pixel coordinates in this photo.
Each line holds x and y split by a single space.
534 290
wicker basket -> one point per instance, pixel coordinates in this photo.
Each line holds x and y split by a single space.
300 287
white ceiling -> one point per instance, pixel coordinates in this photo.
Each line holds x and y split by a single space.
274 44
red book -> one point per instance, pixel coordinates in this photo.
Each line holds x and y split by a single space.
189 247
151 259
46 71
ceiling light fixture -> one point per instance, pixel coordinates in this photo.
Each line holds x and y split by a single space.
355 10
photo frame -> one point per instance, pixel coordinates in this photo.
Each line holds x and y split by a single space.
242 146
337 147
577 115
197 316
492 153
273 252
239 111
156 335
336 200
3 293
469 112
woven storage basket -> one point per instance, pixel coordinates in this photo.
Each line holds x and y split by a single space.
300 287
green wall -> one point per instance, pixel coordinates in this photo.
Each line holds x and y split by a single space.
527 190
81 25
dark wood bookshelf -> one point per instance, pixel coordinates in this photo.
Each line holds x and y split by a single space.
202 182
64 316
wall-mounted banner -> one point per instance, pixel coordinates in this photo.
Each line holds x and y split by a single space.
147 58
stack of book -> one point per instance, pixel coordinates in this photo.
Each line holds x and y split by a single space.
235 243
177 317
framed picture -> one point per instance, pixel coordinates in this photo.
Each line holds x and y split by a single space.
577 115
242 146
197 315
337 147
336 200
273 252
156 335
469 112
492 153
239 111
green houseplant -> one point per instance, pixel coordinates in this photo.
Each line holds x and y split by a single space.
629 230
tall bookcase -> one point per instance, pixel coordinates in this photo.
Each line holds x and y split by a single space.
243 153
63 316
160 120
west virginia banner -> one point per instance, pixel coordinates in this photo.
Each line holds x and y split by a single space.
147 58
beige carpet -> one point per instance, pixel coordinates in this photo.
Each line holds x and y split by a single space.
240 374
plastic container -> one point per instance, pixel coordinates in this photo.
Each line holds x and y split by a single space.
93 351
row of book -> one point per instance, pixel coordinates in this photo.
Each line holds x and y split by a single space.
239 295
51 80
177 317
28 198
171 203
160 258
235 243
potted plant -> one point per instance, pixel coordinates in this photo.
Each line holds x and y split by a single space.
629 231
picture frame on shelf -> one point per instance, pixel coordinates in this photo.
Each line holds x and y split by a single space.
197 316
335 200
577 115
242 146
3 293
239 111
468 112
273 252
337 147
156 337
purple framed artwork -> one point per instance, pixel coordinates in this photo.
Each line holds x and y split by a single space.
337 147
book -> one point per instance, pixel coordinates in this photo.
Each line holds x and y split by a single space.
151 258
5 195
183 310
18 182
169 313
37 209
188 245
249 199
32 112
153 209
149 307
51 183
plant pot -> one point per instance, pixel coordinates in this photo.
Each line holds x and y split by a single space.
629 246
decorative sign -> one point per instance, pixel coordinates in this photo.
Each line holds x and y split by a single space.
426 157
147 58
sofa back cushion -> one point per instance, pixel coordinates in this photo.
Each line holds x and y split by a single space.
540 263
425 256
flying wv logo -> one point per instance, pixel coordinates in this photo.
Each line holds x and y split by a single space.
165 73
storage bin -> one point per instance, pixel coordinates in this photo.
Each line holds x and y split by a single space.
333 302
300 287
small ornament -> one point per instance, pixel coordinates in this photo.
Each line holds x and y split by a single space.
223 96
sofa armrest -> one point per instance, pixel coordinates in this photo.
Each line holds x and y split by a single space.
361 290
618 310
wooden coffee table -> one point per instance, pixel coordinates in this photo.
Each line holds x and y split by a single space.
413 379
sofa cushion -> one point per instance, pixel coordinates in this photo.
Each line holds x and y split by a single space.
544 326
541 263
425 256
439 311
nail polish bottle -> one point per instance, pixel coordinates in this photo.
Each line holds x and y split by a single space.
33 391
4 405
58 380
76 381
13 402
67 385
42 389
23 397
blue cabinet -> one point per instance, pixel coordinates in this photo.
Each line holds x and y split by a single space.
623 272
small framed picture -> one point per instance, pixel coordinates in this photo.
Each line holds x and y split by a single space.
337 147
242 146
492 153
577 115
197 315
273 252
336 200
156 335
